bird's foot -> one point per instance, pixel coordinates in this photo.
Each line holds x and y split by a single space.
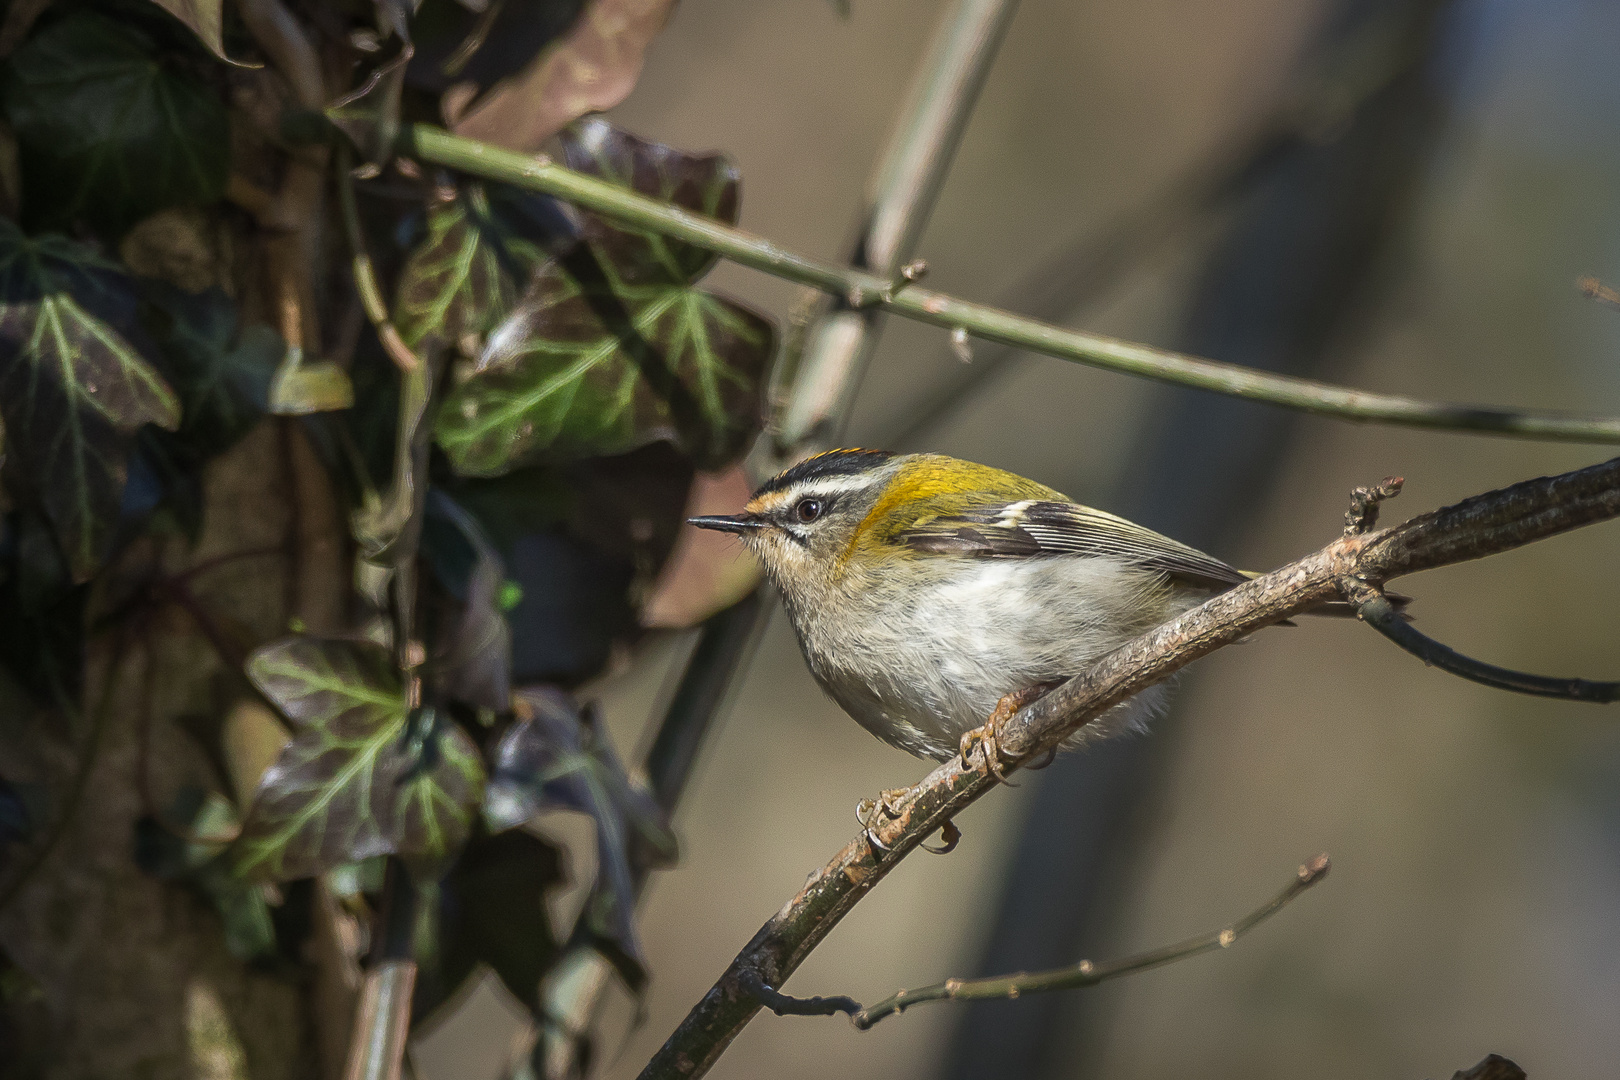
867 810
949 837
988 738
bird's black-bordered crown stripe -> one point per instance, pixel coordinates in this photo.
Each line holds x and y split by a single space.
831 463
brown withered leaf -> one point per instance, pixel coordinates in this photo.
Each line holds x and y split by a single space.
593 67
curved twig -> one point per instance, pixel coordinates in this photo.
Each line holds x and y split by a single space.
787 1005
1087 973
1374 609
365 274
862 290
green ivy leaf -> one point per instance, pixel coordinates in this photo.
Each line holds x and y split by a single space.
109 127
301 386
588 368
707 184
73 389
461 280
559 756
364 776
609 349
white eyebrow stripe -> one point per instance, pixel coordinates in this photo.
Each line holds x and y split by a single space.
832 485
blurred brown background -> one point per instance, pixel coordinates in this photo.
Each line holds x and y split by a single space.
1472 906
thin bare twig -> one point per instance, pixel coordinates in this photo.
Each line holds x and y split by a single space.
1087 973
1373 608
861 290
786 1005
1596 290
1364 503
1480 526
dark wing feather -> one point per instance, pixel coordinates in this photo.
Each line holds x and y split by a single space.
1035 528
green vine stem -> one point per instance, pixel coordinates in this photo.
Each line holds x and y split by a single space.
860 290
365 275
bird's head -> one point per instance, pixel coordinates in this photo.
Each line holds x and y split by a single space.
803 523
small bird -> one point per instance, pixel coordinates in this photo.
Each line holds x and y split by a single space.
933 597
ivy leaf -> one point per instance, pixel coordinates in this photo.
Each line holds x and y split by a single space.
222 378
588 365
301 386
204 18
461 280
365 775
584 542
707 184
220 371
73 389
608 349
493 912
472 655
559 757
42 634
109 127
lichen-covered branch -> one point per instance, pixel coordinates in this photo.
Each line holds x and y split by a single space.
1483 525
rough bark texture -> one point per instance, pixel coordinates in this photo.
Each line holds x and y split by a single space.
136 977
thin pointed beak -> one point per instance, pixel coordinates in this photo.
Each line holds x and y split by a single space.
738 523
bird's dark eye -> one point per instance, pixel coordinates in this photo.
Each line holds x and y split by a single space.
807 509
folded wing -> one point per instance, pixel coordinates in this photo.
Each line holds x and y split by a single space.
1035 529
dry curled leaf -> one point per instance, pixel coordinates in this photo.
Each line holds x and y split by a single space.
708 571
591 69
